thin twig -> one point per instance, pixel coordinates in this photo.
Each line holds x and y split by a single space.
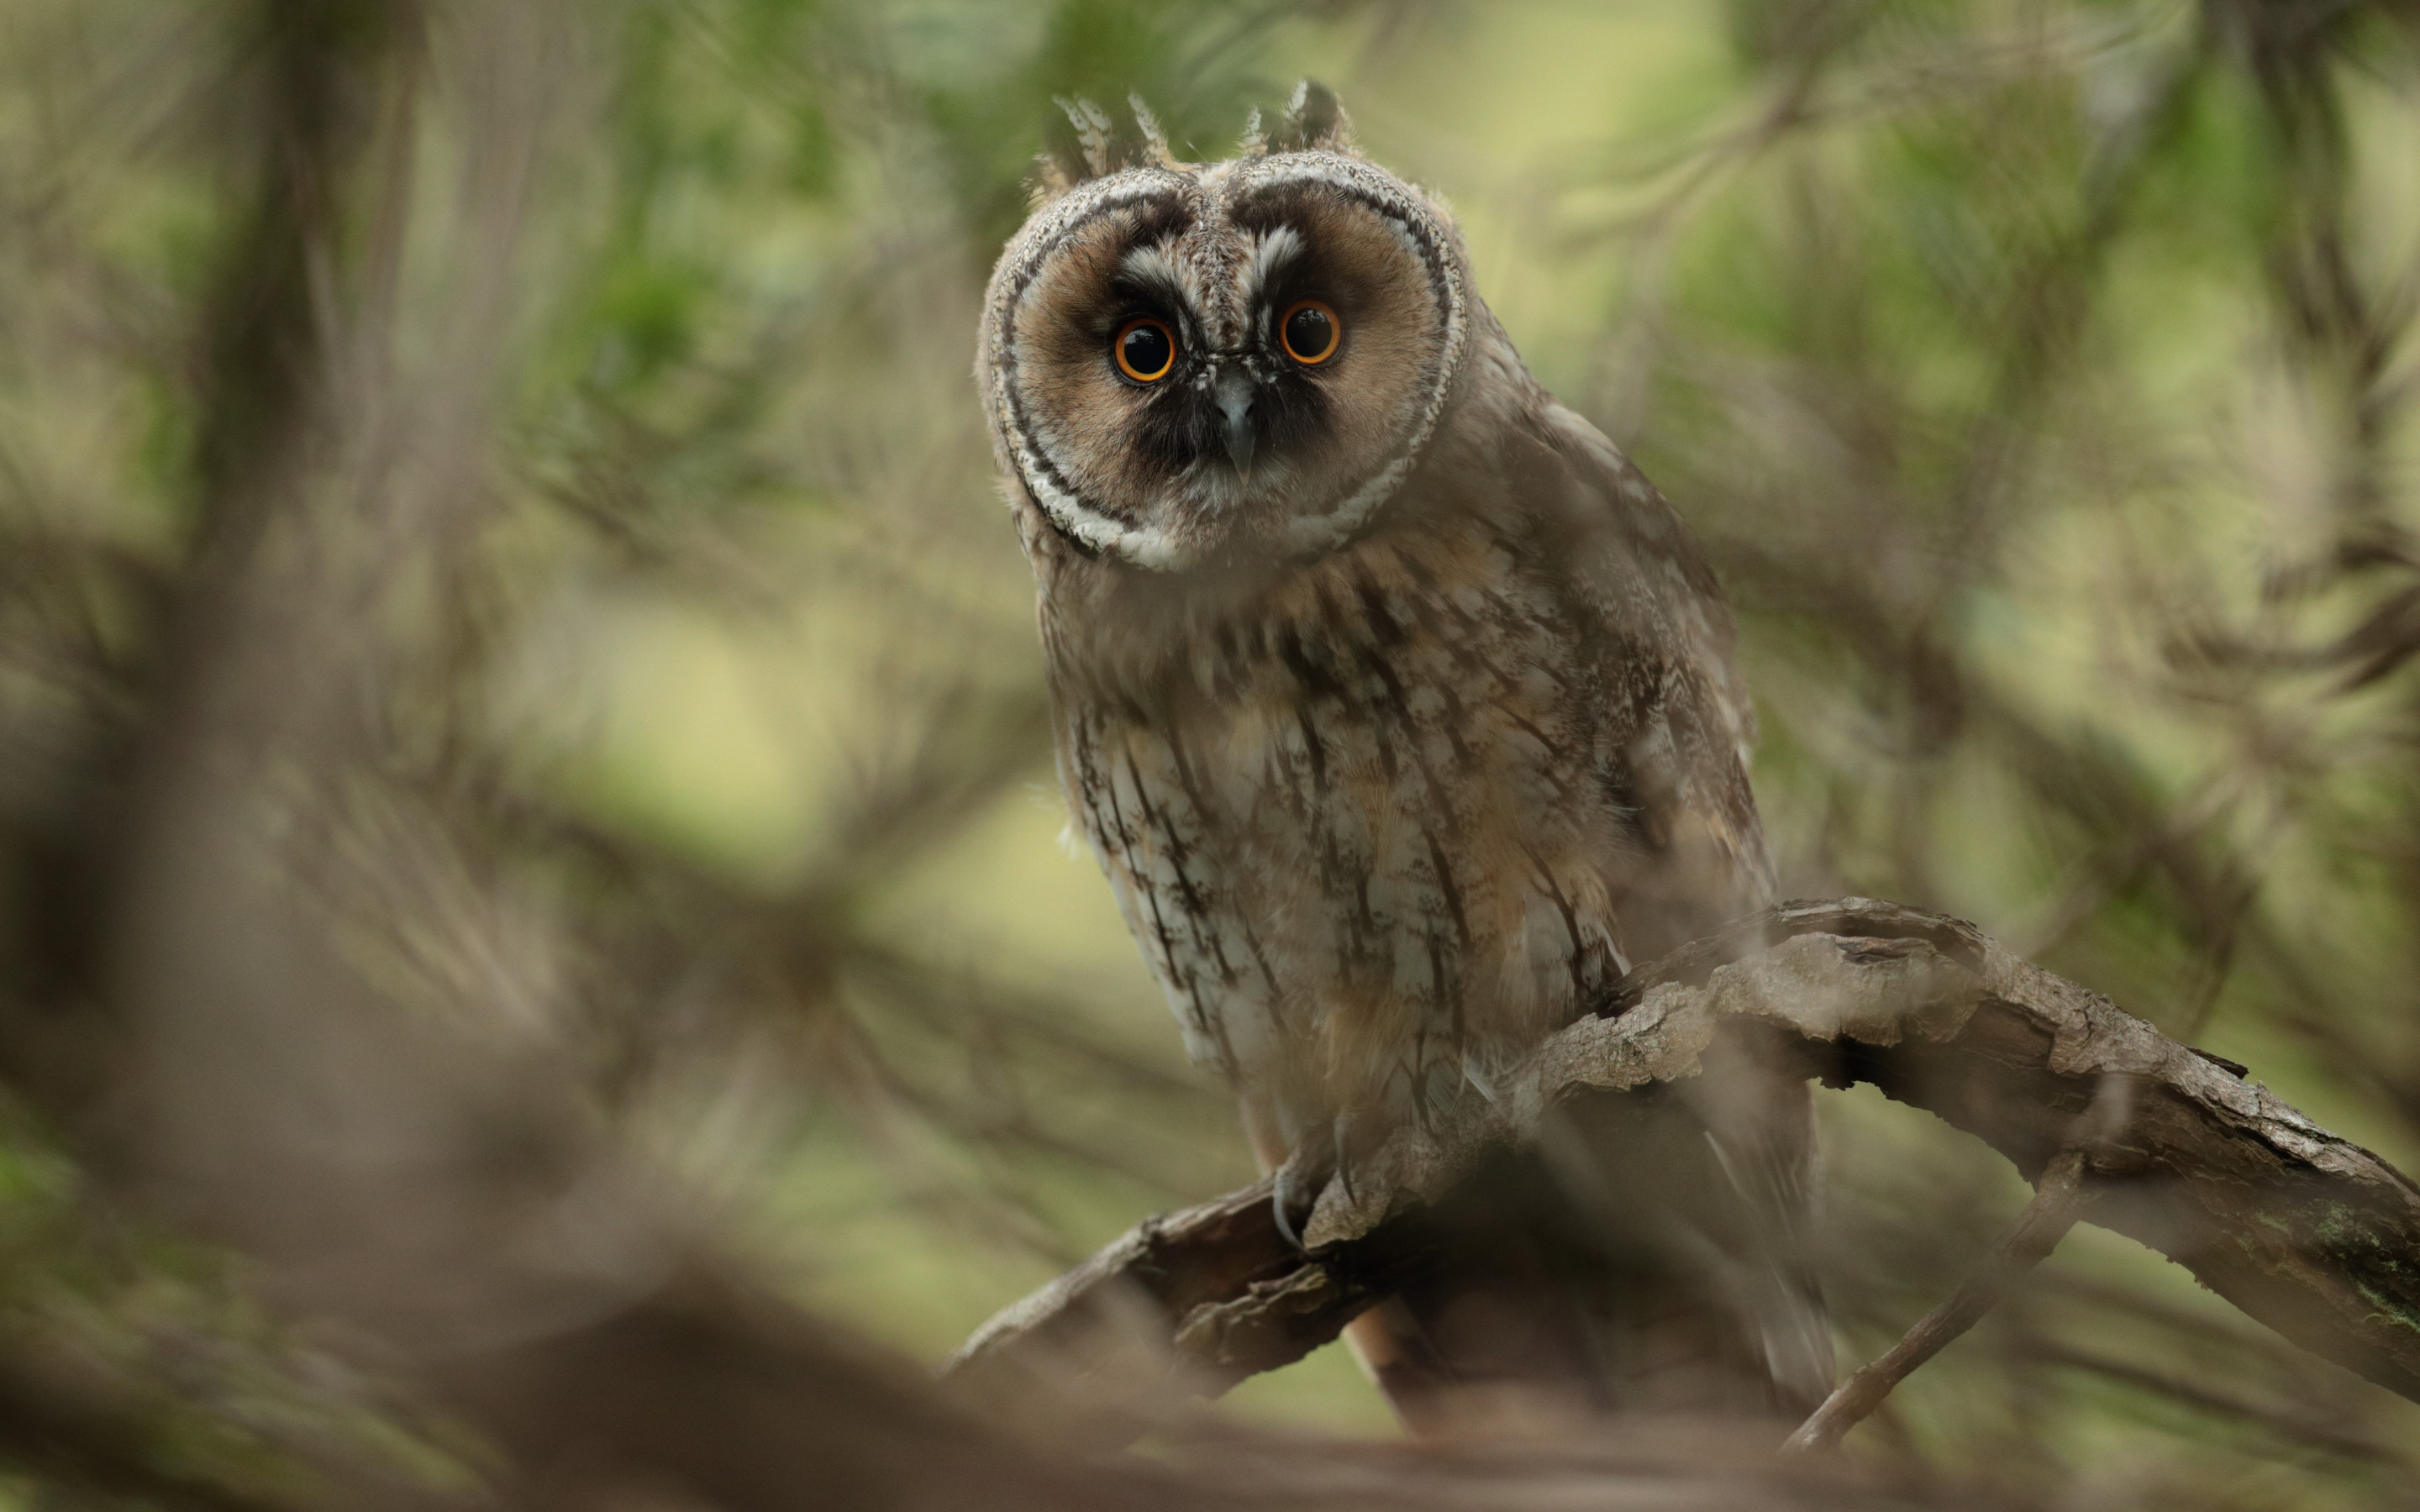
2047 1218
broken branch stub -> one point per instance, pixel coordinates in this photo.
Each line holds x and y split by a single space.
2307 1232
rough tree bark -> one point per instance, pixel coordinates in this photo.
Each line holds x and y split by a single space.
2305 1231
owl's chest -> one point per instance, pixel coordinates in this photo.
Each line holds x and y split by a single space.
1360 832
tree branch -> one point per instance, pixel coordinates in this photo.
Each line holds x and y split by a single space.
2306 1232
2028 1241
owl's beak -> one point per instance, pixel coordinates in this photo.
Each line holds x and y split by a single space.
1232 392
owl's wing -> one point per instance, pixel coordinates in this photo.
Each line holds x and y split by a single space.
1675 729
1674 723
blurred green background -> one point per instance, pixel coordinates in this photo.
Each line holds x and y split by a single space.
2039 373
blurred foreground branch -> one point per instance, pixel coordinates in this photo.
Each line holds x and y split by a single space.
2307 1232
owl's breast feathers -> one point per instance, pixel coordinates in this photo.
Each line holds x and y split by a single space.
1383 819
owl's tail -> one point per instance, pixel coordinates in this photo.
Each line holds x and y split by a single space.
1651 1256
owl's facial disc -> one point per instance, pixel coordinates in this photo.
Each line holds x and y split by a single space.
1230 363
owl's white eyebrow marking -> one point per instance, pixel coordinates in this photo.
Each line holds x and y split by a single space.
1271 251
1158 263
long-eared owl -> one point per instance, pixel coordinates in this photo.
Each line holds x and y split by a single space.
1398 707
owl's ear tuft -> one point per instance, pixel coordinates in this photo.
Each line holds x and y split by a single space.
1091 143
1073 149
1314 121
1150 145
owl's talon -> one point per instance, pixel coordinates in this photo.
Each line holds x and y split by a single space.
1344 1129
1299 1181
1285 1225
1283 1205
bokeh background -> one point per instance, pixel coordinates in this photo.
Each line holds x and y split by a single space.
497 537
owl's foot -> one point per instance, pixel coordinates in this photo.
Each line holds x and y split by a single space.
1343 1131
1299 1181
1304 1175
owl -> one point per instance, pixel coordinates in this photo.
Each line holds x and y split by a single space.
1401 713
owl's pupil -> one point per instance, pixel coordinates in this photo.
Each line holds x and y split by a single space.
1310 333
1146 350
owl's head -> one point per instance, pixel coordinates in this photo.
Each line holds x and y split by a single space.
1240 361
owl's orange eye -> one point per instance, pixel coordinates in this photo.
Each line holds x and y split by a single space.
1146 350
1310 332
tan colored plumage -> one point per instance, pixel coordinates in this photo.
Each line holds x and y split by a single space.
1398 707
